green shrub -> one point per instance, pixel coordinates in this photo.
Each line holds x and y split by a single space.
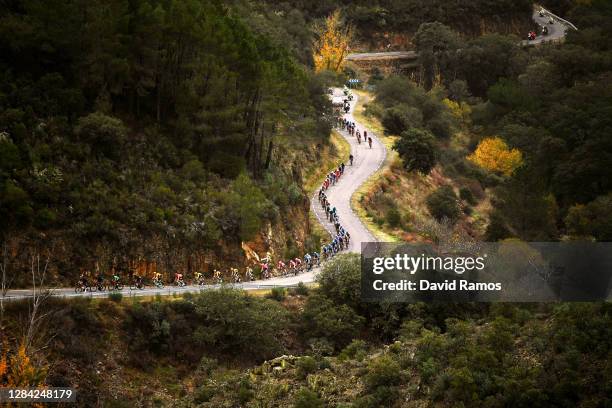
382 371
306 365
355 350
466 195
105 134
116 297
277 294
204 394
206 366
321 347
301 290
227 165
295 194
497 228
322 318
442 204
400 118
418 150
231 321
340 280
411 329
306 398
245 392
393 217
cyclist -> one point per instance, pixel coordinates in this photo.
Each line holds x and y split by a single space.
83 280
157 279
316 258
308 261
235 275
370 142
115 280
280 265
100 280
248 274
217 276
298 265
178 279
292 265
265 270
199 278
351 159
138 281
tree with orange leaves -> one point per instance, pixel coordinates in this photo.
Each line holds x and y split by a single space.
332 45
493 154
18 371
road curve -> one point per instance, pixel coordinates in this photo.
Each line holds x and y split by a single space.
556 31
367 162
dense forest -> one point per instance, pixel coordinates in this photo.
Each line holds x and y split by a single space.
530 125
151 131
391 16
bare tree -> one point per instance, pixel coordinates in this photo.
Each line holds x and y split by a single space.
5 279
40 293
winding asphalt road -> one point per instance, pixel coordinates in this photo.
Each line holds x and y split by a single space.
366 162
556 31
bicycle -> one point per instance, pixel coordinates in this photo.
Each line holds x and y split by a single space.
100 286
137 284
115 286
81 287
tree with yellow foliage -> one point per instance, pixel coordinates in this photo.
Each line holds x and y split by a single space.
332 46
494 155
460 110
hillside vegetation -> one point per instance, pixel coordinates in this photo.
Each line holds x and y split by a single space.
525 127
323 347
153 135
383 22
